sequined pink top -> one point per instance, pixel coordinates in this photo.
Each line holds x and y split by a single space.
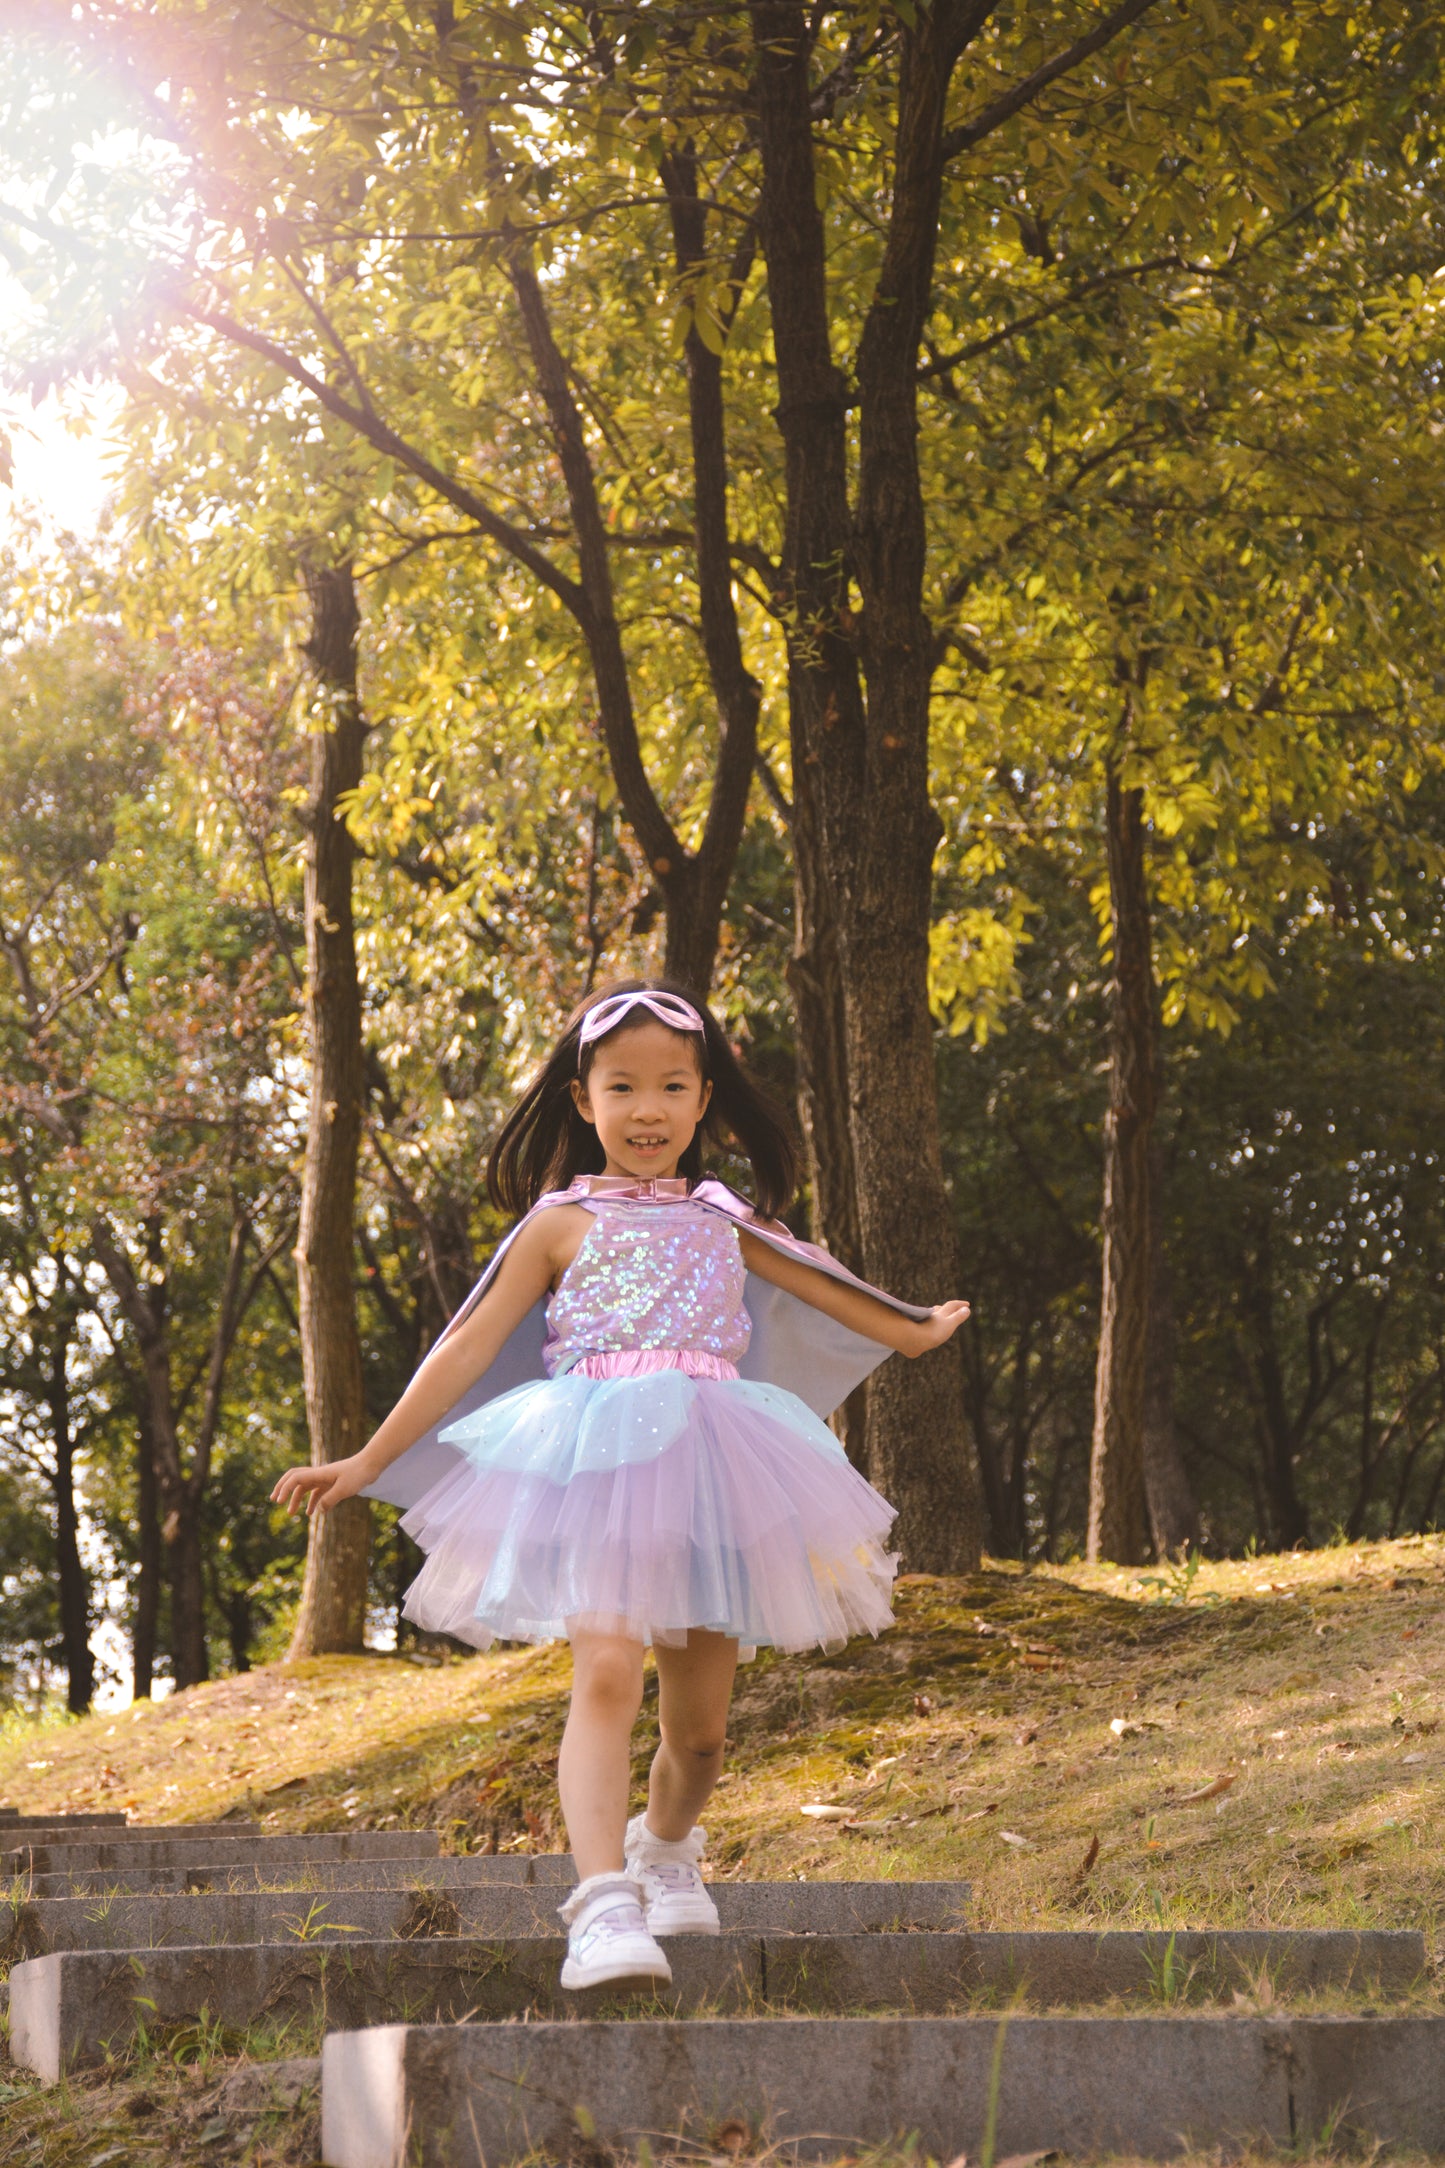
650 1283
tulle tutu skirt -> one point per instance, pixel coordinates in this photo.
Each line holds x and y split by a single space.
646 1506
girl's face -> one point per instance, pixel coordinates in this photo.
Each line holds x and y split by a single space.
645 1095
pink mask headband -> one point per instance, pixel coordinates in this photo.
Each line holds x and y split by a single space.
669 1009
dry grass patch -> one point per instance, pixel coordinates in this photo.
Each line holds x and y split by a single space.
1259 1742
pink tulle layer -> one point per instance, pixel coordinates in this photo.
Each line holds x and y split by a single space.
747 1520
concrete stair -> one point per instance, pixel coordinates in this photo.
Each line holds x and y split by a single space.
12 1819
74 2007
475 1906
311 1873
459 2096
212 1845
830 2016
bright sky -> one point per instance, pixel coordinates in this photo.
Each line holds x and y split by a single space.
61 449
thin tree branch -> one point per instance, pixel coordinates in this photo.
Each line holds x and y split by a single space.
1025 92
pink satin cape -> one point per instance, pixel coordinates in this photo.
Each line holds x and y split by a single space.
793 1344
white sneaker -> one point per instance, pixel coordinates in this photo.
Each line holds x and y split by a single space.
607 1935
668 1874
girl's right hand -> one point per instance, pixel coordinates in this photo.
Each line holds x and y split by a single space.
317 1490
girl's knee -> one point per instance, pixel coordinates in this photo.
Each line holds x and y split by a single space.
695 1742
609 1675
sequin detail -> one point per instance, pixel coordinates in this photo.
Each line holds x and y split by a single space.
645 1279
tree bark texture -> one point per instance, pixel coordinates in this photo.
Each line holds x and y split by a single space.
859 700
1118 1516
332 1616
1173 1513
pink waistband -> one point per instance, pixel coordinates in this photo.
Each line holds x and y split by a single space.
641 1362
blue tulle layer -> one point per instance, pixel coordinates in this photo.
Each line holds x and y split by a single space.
649 1506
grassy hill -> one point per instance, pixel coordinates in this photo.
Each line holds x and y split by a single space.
1255 1742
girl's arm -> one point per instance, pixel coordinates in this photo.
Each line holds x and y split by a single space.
523 1278
852 1306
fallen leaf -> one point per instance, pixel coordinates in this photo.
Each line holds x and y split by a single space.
1036 1660
1123 1727
818 1813
1089 1858
1024 1844
1412 1757
1205 1791
979 1813
923 1704
960 2160
732 2136
1027 1736
1025 2160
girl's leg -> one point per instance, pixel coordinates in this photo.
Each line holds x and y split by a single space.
594 1768
695 1686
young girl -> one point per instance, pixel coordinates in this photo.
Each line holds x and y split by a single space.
619 1438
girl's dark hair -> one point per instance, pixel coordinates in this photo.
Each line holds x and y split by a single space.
545 1143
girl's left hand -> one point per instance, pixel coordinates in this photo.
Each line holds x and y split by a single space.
941 1324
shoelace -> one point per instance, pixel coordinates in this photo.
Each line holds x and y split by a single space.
675 1873
610 1926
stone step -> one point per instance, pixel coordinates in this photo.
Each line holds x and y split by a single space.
481 2096
12 1818
281 1875
70 2008
30 1929
175 1848
71 1844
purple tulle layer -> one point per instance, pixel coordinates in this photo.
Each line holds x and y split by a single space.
747 1520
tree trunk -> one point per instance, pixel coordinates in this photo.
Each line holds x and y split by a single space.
178 1494
332 1616
816 982
1118 1522
694 884
73 1580
860 768
692 939
1278 1434
1173 1513
240 1628
148 1580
